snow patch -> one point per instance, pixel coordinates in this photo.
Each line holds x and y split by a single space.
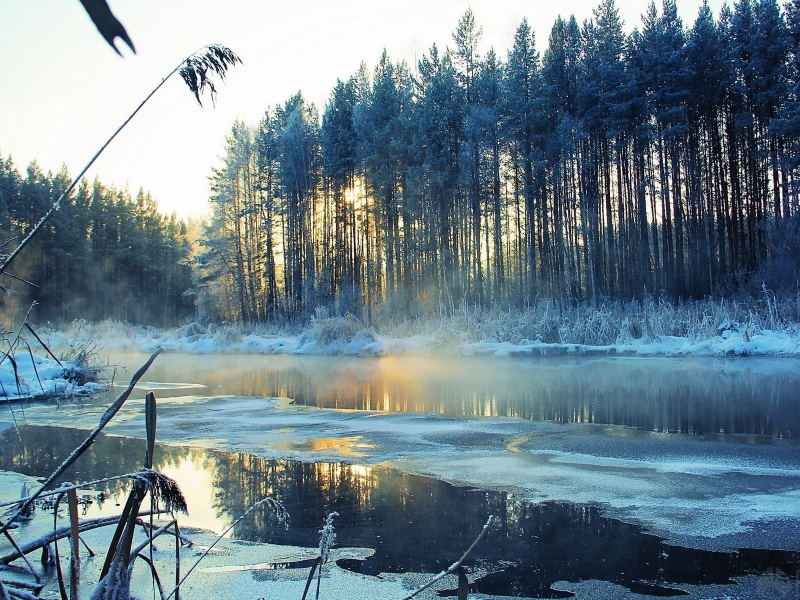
24 376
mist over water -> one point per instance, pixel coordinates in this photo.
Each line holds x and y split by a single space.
678 395
586 481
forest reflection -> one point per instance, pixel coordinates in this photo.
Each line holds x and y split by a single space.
698 396
414 523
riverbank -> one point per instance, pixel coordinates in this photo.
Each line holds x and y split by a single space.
765 326
25 376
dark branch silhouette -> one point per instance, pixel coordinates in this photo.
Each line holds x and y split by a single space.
107 24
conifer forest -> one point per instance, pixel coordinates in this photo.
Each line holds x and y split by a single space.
601 164
104 255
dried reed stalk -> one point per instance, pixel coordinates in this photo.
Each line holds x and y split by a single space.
75 556
194 70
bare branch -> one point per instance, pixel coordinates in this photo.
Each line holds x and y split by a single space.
454 567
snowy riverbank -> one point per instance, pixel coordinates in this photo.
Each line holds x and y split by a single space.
29 376
704 328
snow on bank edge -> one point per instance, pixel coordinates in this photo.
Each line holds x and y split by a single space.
27 376
348 337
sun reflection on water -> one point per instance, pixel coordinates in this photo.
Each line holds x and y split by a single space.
698 395
197 484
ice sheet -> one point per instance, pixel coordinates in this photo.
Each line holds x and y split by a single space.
701 493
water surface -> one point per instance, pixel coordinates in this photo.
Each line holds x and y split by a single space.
415 524
678 395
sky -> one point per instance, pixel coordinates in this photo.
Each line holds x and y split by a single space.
65 91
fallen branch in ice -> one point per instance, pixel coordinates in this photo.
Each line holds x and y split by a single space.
13 593
454 567
61 533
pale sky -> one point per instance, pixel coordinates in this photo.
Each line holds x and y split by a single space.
65 91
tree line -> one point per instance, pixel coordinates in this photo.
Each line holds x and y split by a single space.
659 162
104 255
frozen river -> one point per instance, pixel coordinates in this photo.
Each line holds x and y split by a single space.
586 458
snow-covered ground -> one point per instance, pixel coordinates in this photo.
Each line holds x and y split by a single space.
26 375
484 333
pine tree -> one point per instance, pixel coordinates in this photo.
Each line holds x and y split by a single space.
522 122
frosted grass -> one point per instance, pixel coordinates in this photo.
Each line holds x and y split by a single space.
766 326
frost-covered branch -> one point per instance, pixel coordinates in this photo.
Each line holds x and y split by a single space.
137 475
60 533
454 567
327 538
280 511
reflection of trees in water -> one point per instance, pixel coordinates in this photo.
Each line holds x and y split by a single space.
694 395
42 449
414 523
308 490
688 396
552 541
421 524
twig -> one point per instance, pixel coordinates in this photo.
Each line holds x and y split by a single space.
11 345
138 475
38 339
33 364
30 283
153 570
11 410
311 576
75 546
151 536
61 587
16 372
25 558
268 500
184 540
107 416
21 595
454 567
88 549
24 584
177 562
